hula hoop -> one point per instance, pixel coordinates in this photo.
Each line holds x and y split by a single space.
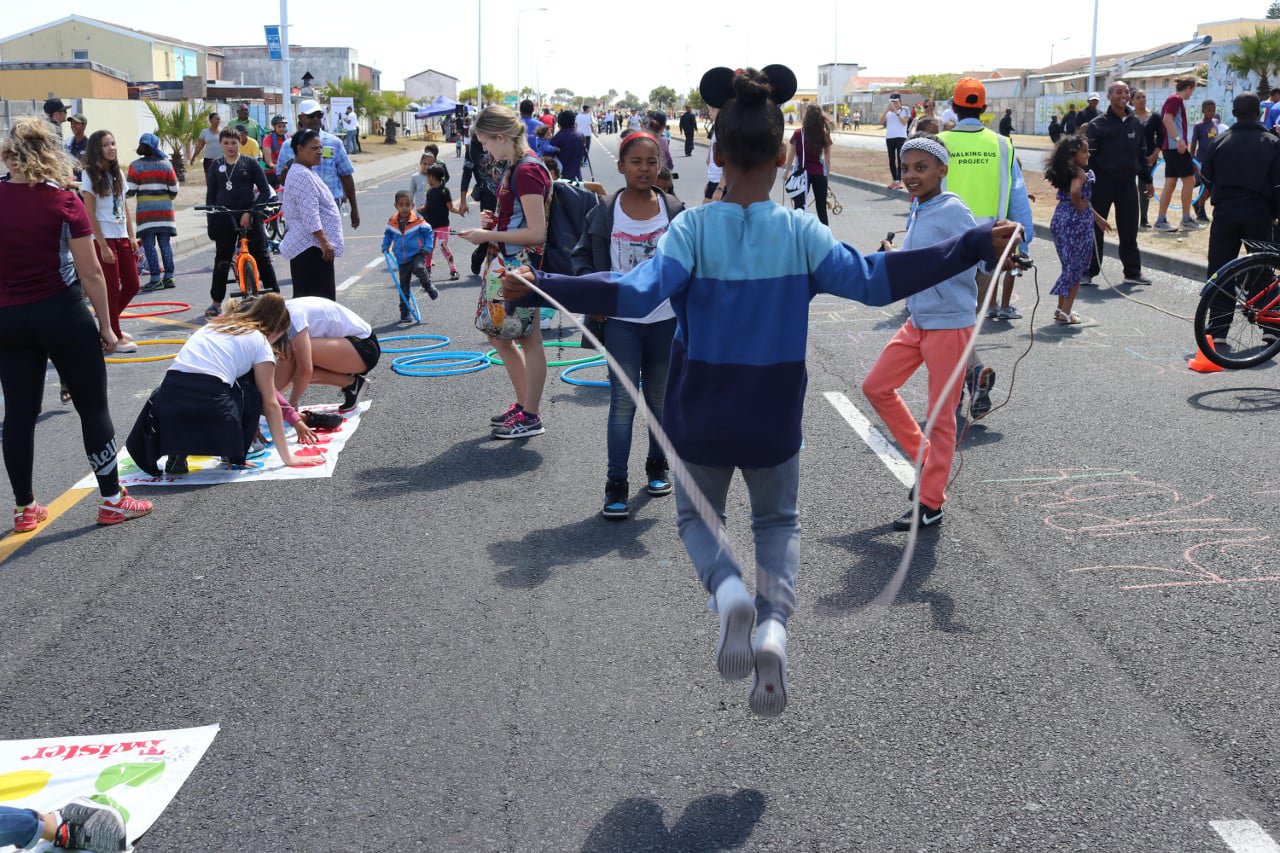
182 306
410 302
441 341
492 354
141 358
567 375
453 363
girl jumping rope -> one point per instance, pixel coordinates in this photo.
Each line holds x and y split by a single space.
936 334
740 274
1073 220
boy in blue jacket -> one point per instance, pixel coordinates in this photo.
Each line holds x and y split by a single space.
410 239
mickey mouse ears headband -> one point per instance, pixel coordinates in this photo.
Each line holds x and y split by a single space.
716 87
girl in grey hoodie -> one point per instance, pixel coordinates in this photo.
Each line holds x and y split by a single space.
936 334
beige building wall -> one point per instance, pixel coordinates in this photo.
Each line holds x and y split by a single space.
66 83
123 53
1229 30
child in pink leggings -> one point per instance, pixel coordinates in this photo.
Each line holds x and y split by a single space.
936 334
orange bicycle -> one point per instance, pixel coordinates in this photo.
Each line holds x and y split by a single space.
243 265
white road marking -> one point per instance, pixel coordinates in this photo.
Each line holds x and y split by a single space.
1245 836
349 282
891 457
373 263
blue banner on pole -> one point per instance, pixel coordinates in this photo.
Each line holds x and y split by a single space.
274 50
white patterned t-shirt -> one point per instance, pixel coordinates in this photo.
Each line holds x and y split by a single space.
632 242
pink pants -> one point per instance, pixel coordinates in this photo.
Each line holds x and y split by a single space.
939 350
121 276
442 243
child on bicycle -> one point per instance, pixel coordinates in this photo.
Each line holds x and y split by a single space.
740 275
409 239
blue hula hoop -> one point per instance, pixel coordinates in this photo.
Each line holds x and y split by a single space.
453 363
1200 188
567 377
410 302
441 341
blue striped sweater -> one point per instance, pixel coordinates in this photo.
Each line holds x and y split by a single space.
740 281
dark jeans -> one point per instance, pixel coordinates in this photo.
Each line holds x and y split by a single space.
1225 236
57 328
817 183
312 275
415 267
644 351
894 147
223 234
688 145
1123 193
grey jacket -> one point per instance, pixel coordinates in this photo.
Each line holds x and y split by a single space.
952 304
591 254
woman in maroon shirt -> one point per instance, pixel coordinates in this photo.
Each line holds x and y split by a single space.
47 266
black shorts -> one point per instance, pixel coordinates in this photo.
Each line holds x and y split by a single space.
1178 165
369 348
710 190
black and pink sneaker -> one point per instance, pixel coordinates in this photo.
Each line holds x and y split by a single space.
522 424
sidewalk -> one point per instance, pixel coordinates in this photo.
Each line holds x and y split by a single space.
191 222
1021 141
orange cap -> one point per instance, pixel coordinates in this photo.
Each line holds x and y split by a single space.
969 92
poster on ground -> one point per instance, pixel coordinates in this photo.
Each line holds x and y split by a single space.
138 773
210 470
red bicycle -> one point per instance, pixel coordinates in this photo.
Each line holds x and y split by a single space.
1237 322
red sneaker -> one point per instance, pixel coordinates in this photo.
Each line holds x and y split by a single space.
28 518
114 512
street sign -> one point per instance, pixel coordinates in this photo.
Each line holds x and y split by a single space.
510 100
274 52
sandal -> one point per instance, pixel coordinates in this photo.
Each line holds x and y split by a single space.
1074 319
1061 317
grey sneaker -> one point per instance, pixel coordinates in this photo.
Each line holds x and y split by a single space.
1008 312
1087 281
993 312
86 825
1136 279
1191 225
768 696
980 381
737 616
1165 226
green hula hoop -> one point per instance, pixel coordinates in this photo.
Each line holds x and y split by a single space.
492 354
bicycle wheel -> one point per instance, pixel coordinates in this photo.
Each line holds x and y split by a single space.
249 282
1239 311
272 227
834 204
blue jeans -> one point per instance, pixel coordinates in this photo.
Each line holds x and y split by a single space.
775 525
166 253
19 827
644 351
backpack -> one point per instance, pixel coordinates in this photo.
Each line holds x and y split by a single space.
566 222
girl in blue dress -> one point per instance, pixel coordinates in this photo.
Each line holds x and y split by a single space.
1073 220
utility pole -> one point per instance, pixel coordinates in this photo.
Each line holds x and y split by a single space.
286 102
479 45
1093 50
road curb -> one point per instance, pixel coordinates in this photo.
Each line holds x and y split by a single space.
1152 260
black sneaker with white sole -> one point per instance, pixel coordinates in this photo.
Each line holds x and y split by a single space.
351 394
657 479
520 425
981 380
928 518
615 500
502 417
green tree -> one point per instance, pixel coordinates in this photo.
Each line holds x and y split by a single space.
694 98
391 103
492 95
179 130
629 101
663 97
1273 11
937 87
1257 54
564 94
363 98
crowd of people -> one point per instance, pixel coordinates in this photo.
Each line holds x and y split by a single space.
662 280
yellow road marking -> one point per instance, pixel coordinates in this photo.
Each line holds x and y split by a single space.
60 504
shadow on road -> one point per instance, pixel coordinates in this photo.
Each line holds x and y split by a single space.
877 561
474 460
1237 400
710 823
533 557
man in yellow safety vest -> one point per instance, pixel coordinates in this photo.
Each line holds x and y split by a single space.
985 173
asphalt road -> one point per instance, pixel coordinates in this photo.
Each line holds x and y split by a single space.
444 648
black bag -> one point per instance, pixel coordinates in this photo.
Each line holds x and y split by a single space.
566 222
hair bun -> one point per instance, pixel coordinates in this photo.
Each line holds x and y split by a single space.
751 87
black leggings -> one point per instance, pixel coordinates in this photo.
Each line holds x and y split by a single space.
312 275
817 183
58 328
223 234
894 147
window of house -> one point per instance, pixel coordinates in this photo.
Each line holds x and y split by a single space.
79 54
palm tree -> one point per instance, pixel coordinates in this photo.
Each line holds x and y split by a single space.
1257 54
179 130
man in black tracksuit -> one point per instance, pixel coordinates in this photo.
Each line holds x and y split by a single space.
1243 173
1118 158
689 127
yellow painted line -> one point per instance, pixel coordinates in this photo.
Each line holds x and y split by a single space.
60 504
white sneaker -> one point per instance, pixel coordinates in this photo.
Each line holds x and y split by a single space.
768 696
1008 312
126 346
737 611
1166 226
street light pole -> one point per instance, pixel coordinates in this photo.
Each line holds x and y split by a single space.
518 62
1054 44
1093 50
286 109
479 45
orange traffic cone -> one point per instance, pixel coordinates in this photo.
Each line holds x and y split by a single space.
1199 363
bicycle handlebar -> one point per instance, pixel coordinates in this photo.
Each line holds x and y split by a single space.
257 208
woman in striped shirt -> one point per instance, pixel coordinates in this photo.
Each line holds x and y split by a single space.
153 183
